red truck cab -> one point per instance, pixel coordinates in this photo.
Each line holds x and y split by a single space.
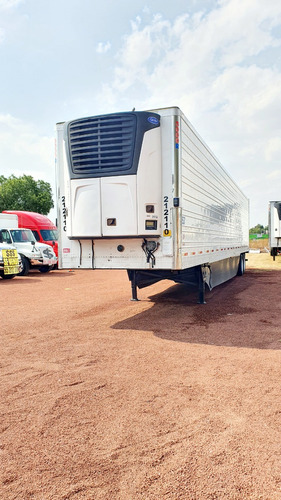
43 229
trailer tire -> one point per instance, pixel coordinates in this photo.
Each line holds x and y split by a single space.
241 265
25 266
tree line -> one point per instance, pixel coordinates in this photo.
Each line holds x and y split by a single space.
25 193
259 229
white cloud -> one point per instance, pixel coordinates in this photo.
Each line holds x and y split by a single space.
146 9
207 64
9 4
273 150
103 47
23 151
247 95
11 21
185 57
275 174
139 48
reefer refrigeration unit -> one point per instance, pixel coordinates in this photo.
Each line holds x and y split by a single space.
274 228
141 191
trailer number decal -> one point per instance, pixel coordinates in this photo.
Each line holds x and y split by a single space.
167 231
63 213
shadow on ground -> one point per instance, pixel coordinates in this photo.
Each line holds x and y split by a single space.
239 313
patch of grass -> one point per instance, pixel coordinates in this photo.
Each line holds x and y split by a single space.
256 237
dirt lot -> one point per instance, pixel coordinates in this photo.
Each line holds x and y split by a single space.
104 398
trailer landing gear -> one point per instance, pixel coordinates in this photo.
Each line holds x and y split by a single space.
197 276
134 287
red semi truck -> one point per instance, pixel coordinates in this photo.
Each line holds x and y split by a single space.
43 229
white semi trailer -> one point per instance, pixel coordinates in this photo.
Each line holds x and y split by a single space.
141 191
274 228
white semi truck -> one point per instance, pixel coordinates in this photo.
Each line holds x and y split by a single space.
33 254
141 191
274 228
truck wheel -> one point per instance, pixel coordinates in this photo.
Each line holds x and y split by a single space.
25 266
45 269
7 276
242 265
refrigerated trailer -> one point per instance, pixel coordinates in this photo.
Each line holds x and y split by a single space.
274 228
141 191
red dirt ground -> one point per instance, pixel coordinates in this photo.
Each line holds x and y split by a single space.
104 398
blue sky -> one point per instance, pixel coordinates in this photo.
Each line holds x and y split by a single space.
218 60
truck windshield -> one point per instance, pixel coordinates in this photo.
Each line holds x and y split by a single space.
22 235
49 234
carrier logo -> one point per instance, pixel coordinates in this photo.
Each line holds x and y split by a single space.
153 120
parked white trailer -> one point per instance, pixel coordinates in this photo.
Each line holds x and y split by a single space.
274 228
141 191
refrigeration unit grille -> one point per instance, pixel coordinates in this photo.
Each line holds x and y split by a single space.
102 145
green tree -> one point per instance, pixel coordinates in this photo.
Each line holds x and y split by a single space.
25 193
258 229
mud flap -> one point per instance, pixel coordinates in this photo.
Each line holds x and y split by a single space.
204 277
